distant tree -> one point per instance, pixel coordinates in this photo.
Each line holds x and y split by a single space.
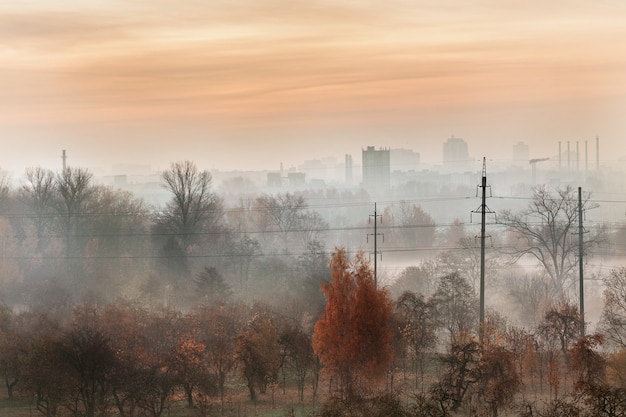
498 379
531 293
312 270
613 320
455 305
88 354
353 335
157 378
298 354
599 397
466 261
219 325
124 324
543 231
562 324
416 279
245 251
13 349
116 229
418 328
460 371
210 285
5 185
45 378
412 226
311 228
193 206
282 213
37 193
616 368
258 351
187 360
73 188
588 364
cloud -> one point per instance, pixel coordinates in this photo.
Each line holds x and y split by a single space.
279 62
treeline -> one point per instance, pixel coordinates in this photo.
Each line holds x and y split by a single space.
365 354
114 306
63 236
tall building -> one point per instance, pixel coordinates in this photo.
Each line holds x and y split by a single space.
376 169
348 169
456 155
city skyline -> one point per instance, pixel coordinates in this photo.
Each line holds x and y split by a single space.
248 86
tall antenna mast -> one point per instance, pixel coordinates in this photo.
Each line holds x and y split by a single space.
375 234
483 210
581 253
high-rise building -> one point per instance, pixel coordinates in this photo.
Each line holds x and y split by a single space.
456 155
348 169
376 169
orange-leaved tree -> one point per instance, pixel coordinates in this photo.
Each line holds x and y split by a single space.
353 336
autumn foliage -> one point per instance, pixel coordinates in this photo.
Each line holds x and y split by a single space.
352 338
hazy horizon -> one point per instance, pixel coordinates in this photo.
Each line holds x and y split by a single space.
242 85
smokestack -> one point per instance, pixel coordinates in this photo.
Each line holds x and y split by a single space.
569 164
577 158
348 169
64 158
560 155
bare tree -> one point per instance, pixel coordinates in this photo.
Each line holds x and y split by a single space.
544 231
37 193
561 326
282 213
455 305
413 227
312 226
418 329
193 206
4 185
614 313
74 187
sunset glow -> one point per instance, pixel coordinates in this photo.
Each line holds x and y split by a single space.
306 79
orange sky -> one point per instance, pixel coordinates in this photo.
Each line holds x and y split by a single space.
249 84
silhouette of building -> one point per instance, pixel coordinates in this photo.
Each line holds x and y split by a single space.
376 169
348 169
404 160
274 179
455 155
296 179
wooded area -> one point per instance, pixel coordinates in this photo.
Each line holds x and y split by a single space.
112 307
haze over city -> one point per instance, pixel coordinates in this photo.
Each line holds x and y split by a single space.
248 85
310 209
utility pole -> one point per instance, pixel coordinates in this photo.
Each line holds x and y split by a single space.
580 262
483 210
375 234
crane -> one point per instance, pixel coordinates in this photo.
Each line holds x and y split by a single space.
533 162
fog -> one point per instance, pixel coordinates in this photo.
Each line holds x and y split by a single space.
261 230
